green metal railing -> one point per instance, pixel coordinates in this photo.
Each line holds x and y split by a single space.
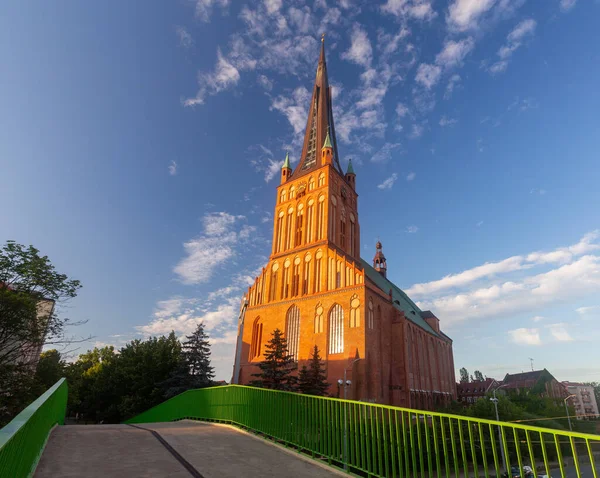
377 440
22 440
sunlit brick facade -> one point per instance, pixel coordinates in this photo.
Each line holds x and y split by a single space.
318 290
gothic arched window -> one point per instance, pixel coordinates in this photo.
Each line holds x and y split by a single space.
355 311
292 331
336 329
370 314
256 344
321 179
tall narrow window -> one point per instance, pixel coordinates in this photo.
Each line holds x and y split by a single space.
310 212
336 330
256 344
320 218
283 196
292 192
333 222
318 267
292 331
319 318
288 229
355 311
306 276
321 179
370 314
311 183
338 275
273 285
299 225
279 232
285 286
296 277
343 233
352 235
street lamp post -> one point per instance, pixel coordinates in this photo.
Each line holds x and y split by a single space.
495 401
346 383
567 410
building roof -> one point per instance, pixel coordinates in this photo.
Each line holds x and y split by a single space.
523 377
399 298
350 168
475 387
286 163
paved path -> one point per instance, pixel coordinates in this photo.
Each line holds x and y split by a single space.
181 449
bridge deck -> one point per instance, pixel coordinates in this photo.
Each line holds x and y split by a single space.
176 449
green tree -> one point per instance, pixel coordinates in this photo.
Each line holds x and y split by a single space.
313 380
464 375
50 369
194 369
478 375
277 368
30 286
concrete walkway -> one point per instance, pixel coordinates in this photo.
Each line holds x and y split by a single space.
181 449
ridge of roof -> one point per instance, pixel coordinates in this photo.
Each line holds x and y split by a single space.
400 300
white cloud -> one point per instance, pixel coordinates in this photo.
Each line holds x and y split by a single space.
452 83
566 5
185 39
525 336
416 131
265 82
585 311
272 6
428 75
537 318
385 153
513 41
360 51
454 52
223 77
464 14
571 281
411 176
390 43
560 332
389 182
213 248
401 110
412 229
491 270
293 108
445 121
263 160
419 9
172 168
204 8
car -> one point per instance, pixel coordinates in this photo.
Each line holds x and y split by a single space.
515 472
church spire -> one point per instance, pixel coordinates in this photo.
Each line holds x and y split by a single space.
320 122
379 263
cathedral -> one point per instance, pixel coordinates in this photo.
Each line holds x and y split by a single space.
319 291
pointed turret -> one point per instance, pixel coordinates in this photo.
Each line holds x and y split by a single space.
286 169
326 151
379 263
351 175
320 129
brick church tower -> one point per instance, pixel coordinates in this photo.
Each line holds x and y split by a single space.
318 290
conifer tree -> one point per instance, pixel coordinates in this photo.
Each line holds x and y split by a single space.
196 356
276 370
312 380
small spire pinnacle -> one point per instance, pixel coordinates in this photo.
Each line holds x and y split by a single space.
327 143
350 168
286 163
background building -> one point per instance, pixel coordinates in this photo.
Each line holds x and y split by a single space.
539 382
318 290
584 400
470 392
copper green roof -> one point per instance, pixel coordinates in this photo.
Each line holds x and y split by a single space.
350 168
327 143
399 298
286 163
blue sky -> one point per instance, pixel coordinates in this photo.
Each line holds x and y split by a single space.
140 145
